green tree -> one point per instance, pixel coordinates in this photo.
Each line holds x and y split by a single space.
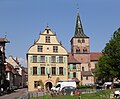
108 66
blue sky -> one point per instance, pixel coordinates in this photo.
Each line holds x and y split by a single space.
24 19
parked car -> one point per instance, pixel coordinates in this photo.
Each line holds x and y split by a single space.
116 85
117 93
60 84
68 90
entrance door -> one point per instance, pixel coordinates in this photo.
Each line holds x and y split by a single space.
48 85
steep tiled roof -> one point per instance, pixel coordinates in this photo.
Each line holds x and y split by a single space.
79 29
94 56
71 58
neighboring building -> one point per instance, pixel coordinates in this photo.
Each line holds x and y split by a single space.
3 41
16 76
47 61
82 62
18 71
10 72
24 77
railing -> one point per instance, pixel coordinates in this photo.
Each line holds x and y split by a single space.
31 94
37 94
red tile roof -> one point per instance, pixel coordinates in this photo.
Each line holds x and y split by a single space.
94 56
71 58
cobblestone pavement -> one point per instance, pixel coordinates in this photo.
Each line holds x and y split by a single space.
12 95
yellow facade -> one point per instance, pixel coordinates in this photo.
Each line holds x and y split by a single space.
47 61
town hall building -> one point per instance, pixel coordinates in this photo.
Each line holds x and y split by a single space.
48 60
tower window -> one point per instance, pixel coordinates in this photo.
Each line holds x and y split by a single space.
47 39
83 41
84 50
79 41
77 50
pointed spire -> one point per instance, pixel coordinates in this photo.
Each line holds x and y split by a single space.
78 29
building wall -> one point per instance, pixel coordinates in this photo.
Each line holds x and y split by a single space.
72 70
48 53
86 81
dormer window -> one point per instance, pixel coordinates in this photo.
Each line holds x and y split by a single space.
40 48
55 49
47 39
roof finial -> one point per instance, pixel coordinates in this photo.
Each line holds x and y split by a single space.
5 34
77 8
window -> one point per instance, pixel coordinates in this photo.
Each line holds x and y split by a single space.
34 70
61 70
60 59
77 50
55 48
53 70
40 48
42 70
79 41
83 41
74 74
34 59
74 66
36 84
82 68
86 77
47 39
43 59
53 59
81 77
84 50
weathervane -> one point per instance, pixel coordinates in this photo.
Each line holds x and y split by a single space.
5 34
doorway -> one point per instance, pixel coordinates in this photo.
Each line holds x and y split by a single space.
48 85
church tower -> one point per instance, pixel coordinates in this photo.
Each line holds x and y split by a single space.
80 43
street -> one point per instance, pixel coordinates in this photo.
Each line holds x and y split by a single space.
15 94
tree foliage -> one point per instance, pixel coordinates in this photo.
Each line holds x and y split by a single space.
108 66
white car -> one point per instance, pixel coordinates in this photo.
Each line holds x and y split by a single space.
117 93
